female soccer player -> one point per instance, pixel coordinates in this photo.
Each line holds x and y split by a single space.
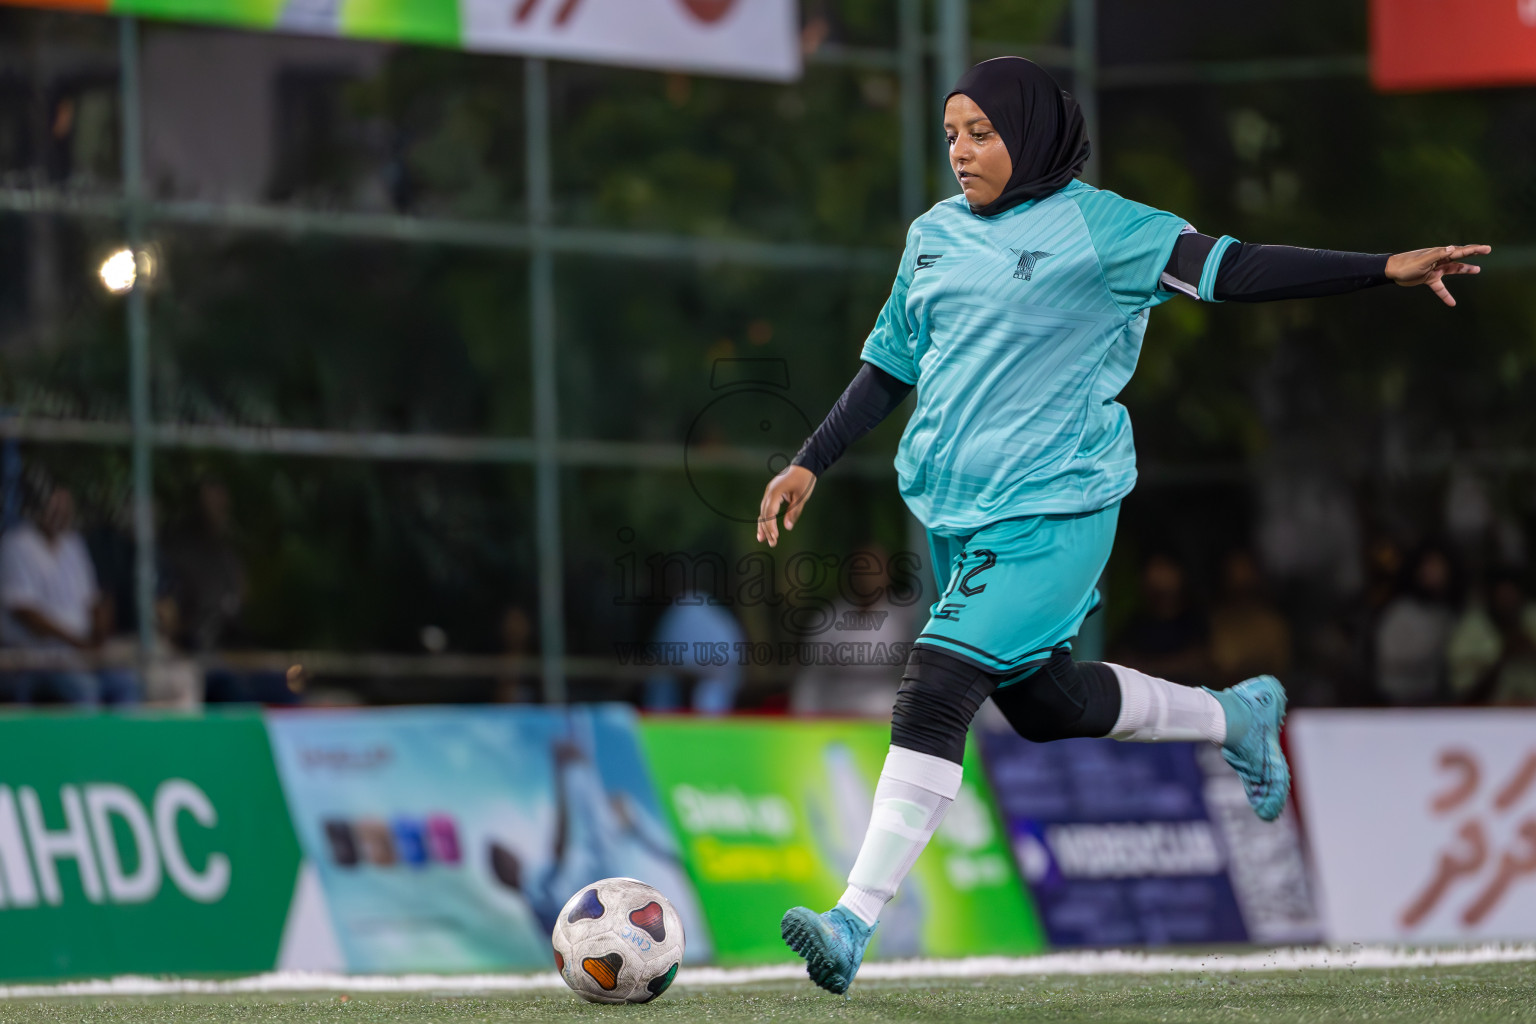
1018 314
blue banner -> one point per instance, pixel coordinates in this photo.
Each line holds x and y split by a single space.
449 838
1145 844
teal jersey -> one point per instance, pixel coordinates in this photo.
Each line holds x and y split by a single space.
1019 331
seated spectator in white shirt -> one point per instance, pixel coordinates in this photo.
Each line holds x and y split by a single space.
49 601
1413 633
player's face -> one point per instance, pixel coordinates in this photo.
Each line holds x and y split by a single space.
976 151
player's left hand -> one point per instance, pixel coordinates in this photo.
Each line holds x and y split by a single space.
1428 266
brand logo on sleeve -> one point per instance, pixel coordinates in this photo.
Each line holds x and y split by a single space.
924 262
1025 271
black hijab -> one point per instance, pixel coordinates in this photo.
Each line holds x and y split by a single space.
1039 122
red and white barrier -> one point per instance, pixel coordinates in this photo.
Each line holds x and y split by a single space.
1421 824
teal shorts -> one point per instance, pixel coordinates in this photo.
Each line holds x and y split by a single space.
1016 590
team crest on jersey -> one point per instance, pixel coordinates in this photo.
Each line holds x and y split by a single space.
1025 271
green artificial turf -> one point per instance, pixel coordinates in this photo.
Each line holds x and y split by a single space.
1503 992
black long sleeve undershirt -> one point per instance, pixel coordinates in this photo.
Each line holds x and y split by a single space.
870 398
1263 273
1248 273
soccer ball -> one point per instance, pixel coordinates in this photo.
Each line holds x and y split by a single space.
618 941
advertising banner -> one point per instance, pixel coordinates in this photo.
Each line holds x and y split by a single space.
772 813
748 38
1146 844
449 838
1444 44
156 845
1421 823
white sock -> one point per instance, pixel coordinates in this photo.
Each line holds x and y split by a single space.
1154 710
910 800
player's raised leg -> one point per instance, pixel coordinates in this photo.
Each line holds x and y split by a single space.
1245 720
1064 698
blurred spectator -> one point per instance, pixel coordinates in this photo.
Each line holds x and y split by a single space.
172 679
1383 579
207 585
865 623
703 637
1383 573
1166 637
49 601
1473 648
1413 631
1492 649
207 574
516 686
1249 636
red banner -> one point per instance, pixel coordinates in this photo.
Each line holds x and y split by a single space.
1441 44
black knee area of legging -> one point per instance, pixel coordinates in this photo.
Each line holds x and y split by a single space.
1062 699
939 696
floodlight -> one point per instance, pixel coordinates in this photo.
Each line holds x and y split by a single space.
119 271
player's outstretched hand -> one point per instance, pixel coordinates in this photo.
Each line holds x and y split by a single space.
1428 266
791 487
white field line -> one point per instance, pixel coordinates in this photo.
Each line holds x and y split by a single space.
1081 963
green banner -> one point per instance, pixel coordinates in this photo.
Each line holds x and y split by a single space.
141 845
771 815
418 21
749 38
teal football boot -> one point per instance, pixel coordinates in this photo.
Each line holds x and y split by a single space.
1255 708
832 944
